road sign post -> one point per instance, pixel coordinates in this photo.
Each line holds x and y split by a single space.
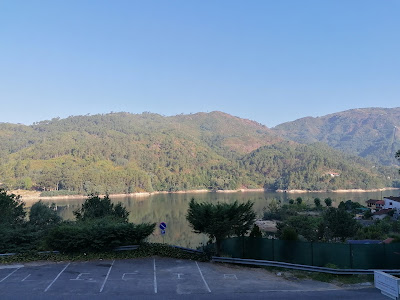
163 226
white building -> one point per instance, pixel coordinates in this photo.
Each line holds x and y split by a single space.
392 203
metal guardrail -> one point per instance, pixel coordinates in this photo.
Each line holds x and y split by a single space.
126 248
268 263
7 254
189 250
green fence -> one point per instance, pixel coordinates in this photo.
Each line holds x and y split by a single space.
346 256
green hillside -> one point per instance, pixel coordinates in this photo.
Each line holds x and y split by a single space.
373 133
125 153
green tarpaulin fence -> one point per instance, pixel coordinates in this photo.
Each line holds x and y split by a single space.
346 256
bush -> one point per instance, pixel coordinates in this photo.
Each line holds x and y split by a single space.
97 235
19 239
43 215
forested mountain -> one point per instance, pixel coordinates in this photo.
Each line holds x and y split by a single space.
124 153
373 133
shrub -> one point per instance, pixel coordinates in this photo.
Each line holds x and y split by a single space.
19 239
43 215
96 235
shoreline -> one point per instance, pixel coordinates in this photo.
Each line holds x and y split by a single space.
35 196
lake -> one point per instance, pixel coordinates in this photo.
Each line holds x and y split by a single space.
172 208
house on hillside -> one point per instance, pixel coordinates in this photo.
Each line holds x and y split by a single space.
381 214
392 203
375 204
334 174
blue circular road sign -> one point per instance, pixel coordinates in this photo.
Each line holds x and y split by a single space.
163 225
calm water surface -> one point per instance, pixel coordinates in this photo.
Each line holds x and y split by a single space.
172 208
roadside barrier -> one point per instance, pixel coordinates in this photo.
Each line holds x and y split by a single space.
279 264
342 255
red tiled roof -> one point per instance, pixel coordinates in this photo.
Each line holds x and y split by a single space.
380 202
372 201
382 212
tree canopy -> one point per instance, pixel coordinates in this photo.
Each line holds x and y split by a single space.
41 214
95 207
338 224
11 209
221 220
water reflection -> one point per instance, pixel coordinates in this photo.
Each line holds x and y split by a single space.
172 208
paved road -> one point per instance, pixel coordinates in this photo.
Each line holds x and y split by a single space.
160 278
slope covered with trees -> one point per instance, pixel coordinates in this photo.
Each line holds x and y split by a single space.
125 153
372 133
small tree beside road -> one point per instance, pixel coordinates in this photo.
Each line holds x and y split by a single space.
221 220
11 209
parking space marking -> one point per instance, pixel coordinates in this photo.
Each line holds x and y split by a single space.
80 275
179 275
10 274
230 276
155 277
108 274
127 276
59 274
26 277
205 283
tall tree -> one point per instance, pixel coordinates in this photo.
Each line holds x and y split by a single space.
11 209
220 220
42 215
96 207
338 224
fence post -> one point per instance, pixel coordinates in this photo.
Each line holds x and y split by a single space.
312 253
273 249
386 265
351 256
242 246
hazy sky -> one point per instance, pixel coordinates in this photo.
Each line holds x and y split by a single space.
271 60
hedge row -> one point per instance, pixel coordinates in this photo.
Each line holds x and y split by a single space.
96 236
70 237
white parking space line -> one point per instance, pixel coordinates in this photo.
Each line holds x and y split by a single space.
10 274
59 274
128 276
26 277
205 283
155 277
230 276
108 274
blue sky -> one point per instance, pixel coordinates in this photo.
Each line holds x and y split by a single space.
269 61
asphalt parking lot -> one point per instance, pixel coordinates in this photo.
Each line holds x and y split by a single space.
163 278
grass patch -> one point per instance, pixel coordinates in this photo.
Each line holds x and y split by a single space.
323 277
342 279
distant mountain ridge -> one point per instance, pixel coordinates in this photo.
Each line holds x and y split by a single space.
125 153
372 133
